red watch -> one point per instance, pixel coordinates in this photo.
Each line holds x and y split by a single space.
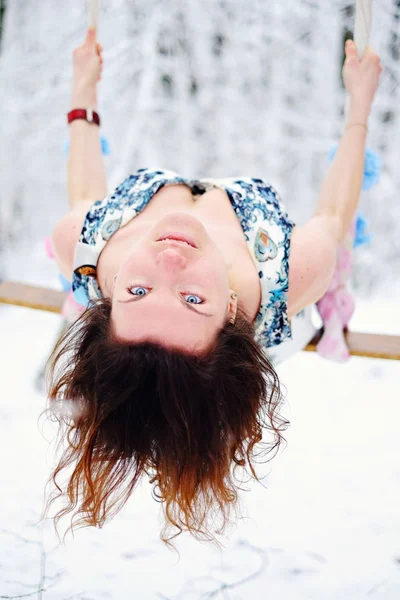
90 115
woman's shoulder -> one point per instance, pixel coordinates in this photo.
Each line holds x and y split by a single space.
68 229
66 234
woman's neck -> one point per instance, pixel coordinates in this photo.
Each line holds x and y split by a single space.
214 210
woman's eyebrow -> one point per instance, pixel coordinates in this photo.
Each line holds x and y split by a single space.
189 306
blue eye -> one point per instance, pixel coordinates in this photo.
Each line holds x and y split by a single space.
193 296
141 292
139 287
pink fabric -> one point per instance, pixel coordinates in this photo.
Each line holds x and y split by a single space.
70 308
336 307
48 246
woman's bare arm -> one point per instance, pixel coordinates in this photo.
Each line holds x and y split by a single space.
86 170
314 245
341 188
313 249
340 191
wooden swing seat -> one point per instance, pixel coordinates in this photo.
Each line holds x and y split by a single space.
370 345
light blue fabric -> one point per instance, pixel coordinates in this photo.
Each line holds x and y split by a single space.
372 173
65 284
361 237
105 146
372 166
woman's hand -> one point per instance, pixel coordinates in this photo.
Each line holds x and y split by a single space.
361 77
87 62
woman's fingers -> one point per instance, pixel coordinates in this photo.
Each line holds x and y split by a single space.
370 57
88 59
361 75
351 50
99 52
372 60
91 37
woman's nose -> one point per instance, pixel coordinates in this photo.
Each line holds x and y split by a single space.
171 259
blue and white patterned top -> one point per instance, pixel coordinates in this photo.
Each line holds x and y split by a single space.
265 223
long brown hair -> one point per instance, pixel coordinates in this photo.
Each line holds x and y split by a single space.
129 409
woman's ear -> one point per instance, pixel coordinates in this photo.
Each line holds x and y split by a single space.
233 302
111 291
113 285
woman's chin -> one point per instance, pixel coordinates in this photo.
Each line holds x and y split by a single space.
181 219
184 224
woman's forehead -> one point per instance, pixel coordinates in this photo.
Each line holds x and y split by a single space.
181 329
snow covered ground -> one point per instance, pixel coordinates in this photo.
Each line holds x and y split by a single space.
324 524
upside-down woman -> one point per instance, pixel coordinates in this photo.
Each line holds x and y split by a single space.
193 290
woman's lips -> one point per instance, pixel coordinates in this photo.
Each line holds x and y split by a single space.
179 237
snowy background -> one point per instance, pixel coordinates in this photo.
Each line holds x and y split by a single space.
215 88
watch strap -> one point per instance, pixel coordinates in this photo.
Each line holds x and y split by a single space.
88 114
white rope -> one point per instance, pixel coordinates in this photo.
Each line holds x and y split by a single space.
362 29
362 32
93 14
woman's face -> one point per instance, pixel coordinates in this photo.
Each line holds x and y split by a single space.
172 293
